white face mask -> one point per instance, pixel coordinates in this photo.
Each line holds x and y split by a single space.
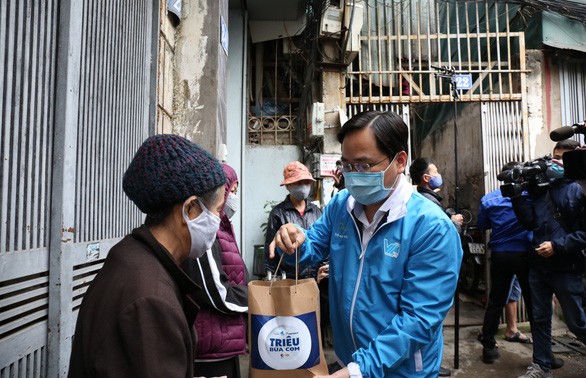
202 230
231 205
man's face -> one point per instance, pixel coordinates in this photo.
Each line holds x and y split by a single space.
360 147
431 172
559 152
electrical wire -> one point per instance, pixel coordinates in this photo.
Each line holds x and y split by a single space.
571 9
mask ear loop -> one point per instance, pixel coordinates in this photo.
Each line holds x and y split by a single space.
274 278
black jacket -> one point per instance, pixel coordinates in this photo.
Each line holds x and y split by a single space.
555 215
437 199
284 213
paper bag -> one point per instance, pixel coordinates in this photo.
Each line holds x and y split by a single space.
284 329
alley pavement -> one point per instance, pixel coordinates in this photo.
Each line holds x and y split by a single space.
515 357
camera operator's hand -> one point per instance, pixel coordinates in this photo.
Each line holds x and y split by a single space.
545 249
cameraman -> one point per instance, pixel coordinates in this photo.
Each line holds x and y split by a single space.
554 214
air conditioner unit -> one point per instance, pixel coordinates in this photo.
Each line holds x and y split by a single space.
316 125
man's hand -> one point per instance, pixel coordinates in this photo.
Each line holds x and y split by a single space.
323 272
545 249
458 218
288 238
339 374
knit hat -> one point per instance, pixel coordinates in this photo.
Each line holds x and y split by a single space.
168 169
294 172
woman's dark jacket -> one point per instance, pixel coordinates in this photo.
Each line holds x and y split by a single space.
136 317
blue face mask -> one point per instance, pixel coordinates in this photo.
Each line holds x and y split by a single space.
555 171
435 182
368 187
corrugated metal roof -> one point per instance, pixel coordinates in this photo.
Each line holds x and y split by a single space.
563 33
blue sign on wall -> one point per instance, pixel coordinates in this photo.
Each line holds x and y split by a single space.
463 81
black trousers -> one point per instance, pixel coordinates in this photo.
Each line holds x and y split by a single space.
502 268
230 368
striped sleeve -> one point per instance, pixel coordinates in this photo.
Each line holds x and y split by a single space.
216 292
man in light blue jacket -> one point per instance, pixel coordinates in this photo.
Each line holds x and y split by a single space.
394 258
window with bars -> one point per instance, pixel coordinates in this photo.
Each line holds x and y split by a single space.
402 43
275 79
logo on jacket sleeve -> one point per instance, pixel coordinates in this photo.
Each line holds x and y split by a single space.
392 249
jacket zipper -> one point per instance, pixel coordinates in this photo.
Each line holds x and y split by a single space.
361 258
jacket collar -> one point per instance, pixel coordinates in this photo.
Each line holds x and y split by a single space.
287 204
184 283
422 190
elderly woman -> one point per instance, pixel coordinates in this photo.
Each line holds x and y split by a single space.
136 317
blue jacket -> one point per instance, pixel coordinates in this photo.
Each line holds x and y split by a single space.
566 233
508 235
387 303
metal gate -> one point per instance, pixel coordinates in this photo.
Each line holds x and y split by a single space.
505 135
77 97
572 92
504 138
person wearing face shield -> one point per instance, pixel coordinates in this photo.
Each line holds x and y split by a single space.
220 324
295 208
391 282
136 317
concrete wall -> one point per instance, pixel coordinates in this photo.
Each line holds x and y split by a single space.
236 105
200 87
439 146
263 174
543 102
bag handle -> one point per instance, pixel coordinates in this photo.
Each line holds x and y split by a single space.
274 278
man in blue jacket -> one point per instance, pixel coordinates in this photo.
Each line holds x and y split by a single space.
555 215
394 259
510 245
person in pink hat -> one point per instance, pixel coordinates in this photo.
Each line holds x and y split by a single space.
295 208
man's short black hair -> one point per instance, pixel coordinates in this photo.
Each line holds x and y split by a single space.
418 168
567 144
390 132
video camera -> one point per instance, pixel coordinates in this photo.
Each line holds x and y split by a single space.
529 175
574 161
